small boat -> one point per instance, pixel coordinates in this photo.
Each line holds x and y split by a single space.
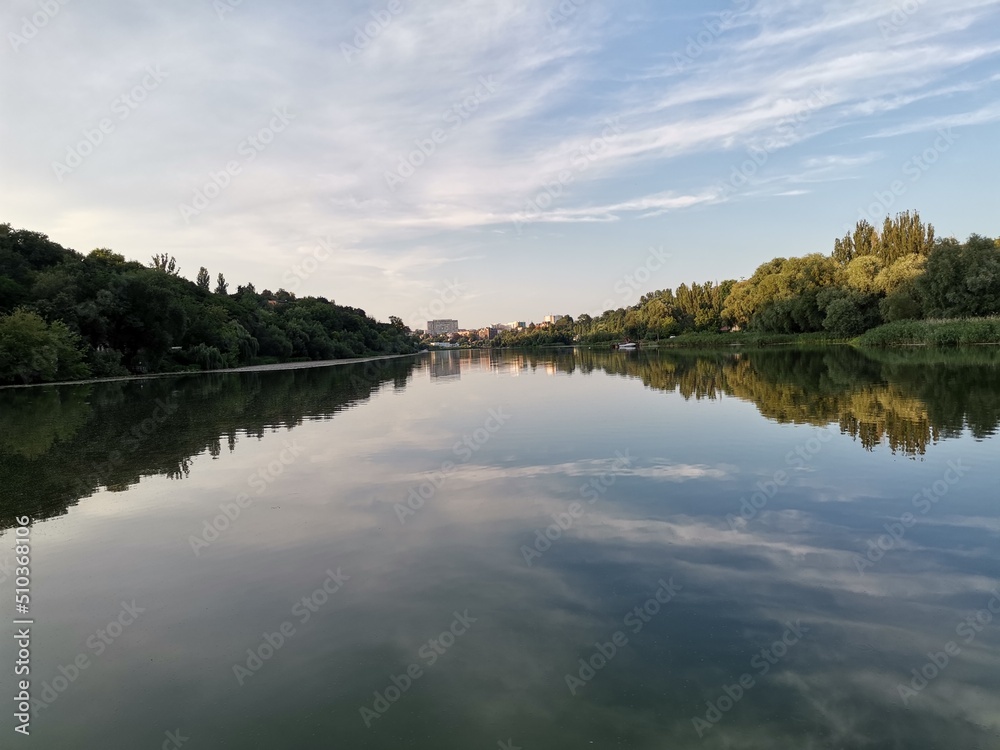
627 346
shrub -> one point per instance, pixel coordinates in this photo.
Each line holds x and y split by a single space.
206 357
933 333
33 351
106 363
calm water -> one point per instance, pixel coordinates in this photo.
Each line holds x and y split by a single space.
537 551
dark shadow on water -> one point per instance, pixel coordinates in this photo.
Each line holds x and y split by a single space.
63 443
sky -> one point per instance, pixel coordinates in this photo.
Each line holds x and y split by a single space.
492 160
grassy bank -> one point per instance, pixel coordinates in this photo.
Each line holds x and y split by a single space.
741 339
957 332
933 333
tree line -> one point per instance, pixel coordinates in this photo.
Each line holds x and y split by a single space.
66 316
873 276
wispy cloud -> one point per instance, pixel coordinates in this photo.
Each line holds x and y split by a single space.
980 116
796 78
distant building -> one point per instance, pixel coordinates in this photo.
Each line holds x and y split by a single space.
488 333
517 324
553 318
441 327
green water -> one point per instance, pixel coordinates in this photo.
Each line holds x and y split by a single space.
499 549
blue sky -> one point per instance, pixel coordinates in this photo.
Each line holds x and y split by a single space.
493 160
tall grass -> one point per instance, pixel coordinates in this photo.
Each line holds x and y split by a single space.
933 333
713 340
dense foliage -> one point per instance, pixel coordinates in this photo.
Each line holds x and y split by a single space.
65 316
872 277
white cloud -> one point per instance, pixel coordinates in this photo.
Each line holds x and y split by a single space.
756 83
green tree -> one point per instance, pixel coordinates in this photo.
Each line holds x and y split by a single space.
962 279
104 255
165 264
777 286
903 304
863 241
862 272
851 314
33 351
904 235
147 318
204 281
221 287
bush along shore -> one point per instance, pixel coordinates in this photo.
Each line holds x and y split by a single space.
933 333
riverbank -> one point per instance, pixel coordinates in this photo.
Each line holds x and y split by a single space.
960 332
245 368
905 333
741 339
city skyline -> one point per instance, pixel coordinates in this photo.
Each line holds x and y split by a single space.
452 325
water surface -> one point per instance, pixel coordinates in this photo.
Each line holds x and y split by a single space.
747 550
